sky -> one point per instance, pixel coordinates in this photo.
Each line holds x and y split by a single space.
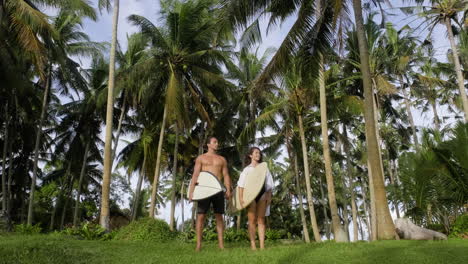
102 29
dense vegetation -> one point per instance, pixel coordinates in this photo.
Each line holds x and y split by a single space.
336 109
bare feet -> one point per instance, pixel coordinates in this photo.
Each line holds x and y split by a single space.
253 246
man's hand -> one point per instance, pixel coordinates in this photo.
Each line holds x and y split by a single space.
228 194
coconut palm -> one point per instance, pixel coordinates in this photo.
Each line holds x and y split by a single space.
186 57
384 223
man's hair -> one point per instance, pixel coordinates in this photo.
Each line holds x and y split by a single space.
208 140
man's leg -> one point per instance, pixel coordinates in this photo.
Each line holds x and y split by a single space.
252 216
220 230
200 224
261 209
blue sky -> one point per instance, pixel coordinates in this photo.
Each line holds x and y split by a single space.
101 31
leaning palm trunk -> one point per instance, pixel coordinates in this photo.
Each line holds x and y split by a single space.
106 179
4 174
327 224
174 179
310 202
338 232
80 182
154 190
456 60
385 227
38 141
305 230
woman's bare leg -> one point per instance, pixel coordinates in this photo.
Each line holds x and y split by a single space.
252 215
261 209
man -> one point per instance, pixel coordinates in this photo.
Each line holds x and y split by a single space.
217 165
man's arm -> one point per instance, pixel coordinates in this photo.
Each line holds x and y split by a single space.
227 179
196 172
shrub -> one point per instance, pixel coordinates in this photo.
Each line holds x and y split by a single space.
26 229
275 234
460 227
146 229
89 231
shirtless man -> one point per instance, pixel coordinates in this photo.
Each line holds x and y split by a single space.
217 165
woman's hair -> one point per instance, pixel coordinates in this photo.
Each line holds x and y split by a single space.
248 160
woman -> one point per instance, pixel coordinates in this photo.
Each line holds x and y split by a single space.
260 207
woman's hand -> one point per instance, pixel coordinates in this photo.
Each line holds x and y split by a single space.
268 197
241 202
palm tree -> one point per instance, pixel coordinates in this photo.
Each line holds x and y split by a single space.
384 223
69 41
444 12
106 179
186 63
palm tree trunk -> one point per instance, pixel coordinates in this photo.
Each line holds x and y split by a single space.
154 190
338 232
326 223
37 143
4 157
136 199
373 215
10 178
119 127
174 179
436 116
305 230
80 182
310 202
182 201
385 228
456 60
349 169
67 199
392 181
409 113
106 179
59 198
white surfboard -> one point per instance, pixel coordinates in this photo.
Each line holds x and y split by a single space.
207 185
254 182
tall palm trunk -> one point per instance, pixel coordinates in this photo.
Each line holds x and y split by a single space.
182 201
310 202
350 173
119 127
305 230
326 223
80 183
409 113
67 200
385 226
392 181
154 190
4 157
136 199
436 116
338 232
174 179
37 143
59 198
373 212
106 179
456 60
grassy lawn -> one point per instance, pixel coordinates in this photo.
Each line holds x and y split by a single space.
59 249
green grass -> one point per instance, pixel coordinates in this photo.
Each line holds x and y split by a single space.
60 249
